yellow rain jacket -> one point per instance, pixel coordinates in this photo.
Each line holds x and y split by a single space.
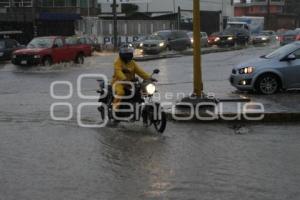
125 72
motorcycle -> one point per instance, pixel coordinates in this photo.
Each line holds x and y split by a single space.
139 105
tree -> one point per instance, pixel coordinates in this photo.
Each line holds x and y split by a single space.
129 8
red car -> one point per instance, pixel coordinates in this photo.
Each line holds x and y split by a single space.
212 38
48 51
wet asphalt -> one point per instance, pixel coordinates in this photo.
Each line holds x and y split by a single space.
45 159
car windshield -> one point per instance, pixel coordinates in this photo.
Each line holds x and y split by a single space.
41 43
2 44
266 33
163 34
283 51
234 31
155 37
71 40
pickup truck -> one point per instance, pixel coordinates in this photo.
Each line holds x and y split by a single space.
50 50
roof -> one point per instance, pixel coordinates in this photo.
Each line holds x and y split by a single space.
59 16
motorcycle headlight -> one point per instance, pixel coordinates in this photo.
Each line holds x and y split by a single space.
150 88
247 70
161 44
142 44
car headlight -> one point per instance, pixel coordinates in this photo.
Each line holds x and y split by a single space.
161 44
247 70
192 40
264 38
230 38
37 56
217 39
142 44
150 88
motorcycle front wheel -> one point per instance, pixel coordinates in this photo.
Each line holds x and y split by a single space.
160 125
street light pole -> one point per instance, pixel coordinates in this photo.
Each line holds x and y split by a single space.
198 83
268 14
114 10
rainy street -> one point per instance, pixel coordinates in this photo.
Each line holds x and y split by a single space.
41 158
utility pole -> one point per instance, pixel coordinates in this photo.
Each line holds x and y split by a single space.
88 10
198 83
268 14
115 29
179 18
147 6
174 8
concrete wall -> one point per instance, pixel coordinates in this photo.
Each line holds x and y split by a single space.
128 30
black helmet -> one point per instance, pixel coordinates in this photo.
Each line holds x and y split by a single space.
126 53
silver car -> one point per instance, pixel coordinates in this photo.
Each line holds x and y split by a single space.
264 37
270 73
154 44
204 38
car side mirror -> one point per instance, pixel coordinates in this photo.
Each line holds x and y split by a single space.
156 71
291 57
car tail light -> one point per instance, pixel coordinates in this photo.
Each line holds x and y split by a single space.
298 37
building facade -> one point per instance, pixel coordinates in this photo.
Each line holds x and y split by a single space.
44 17
213 12
258 7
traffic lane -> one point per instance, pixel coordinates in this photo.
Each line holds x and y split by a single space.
215 161
176 79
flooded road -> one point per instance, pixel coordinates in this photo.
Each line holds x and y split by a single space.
45 159
191 161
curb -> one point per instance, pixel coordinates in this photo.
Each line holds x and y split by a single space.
268 117
156 57
185 53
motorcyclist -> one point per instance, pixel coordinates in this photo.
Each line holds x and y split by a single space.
125 69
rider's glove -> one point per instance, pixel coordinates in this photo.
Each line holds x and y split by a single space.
153 80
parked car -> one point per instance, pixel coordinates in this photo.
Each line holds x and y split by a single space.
176 40
96 45
154 44
47 51
289 37
264 37
212 38
233 37
7 47
268 74
204 38
280 34
83 43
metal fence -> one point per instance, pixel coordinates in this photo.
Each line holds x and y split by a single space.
128 30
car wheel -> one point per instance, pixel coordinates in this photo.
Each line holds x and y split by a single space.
47 61
79 59
268 84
